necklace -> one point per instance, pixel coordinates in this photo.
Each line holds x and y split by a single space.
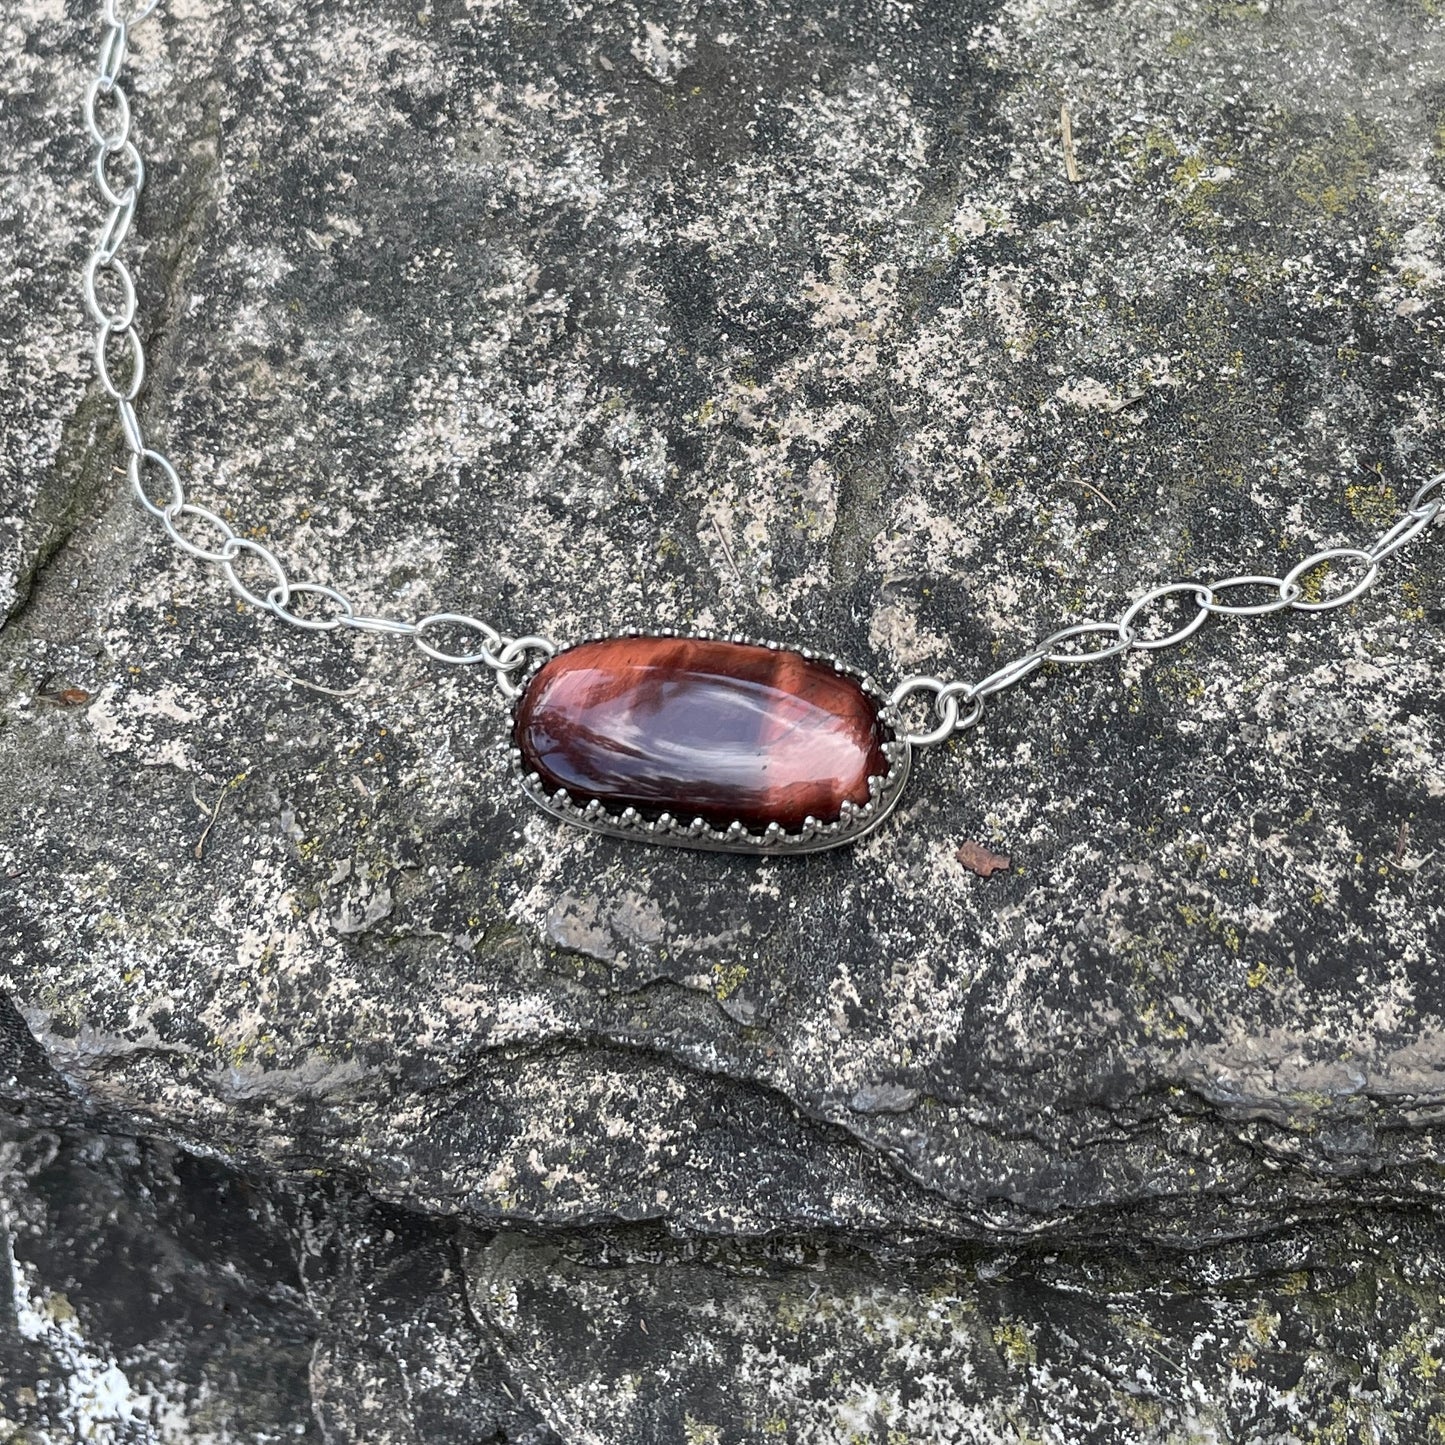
725 743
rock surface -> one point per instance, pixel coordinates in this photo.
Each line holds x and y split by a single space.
789 322
150 1296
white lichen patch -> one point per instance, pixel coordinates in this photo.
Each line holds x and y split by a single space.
100 1403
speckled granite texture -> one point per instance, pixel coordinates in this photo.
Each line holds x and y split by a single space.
784 321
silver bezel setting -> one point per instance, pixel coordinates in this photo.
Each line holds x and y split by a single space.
856 821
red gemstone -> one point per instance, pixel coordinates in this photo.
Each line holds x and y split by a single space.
722 731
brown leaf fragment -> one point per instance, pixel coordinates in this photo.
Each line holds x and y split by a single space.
977 859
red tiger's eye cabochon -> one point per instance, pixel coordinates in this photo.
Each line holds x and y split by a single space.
699 728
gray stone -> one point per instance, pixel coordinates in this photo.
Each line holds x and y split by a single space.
144 1296
151 1296
786 322
732 1345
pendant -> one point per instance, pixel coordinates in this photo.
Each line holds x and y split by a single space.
706 742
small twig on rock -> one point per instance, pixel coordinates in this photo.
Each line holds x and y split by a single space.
728 552
1400 863
1090 487
316 686
211 815
1066 125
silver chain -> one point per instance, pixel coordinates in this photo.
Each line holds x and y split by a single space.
959 705
119 175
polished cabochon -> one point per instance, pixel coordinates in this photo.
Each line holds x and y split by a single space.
708 742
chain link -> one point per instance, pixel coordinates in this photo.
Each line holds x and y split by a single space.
119 173
1290 591
956 705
